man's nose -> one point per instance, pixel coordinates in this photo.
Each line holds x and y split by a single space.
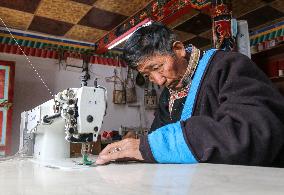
157 78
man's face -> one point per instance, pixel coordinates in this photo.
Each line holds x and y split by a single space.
164 69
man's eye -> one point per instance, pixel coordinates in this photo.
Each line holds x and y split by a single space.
157 67
146 75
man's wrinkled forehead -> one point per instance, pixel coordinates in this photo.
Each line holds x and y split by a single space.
147 62
142 65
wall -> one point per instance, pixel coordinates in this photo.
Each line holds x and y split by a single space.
30 92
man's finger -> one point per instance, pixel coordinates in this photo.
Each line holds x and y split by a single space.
111 156
109 148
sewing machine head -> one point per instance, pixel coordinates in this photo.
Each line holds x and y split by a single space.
75 114
83 110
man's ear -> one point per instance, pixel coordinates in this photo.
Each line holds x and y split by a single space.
178 49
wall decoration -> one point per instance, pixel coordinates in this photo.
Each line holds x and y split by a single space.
7 75
221 14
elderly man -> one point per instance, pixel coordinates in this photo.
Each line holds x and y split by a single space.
216 106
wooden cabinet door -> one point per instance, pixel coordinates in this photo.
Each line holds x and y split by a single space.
7 74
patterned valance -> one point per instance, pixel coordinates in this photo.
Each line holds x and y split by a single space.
48 47
268 33
43 42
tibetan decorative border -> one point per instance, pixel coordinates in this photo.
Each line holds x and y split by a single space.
46 47
267 33
109 59
42 42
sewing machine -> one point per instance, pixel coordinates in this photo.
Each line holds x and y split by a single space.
74 115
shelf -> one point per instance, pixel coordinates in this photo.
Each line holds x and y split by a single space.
277 79
278 49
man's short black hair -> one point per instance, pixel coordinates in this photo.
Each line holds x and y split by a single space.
147 41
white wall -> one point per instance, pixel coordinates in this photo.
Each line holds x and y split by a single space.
30 92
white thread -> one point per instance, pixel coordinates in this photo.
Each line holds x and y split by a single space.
32 66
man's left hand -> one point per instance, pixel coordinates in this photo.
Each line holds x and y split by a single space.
127 149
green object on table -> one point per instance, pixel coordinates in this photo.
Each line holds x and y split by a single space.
86 161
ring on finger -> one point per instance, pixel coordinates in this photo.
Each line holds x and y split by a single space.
117 149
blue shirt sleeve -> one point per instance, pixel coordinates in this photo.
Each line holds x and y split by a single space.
168 145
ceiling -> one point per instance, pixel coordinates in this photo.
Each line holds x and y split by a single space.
195 27
84 20
89 20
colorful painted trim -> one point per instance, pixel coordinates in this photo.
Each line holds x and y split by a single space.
267 33
156 10
167 143
42 44
47 39
48 47
36 49
7 93
5 98
106 59
267 29
4 127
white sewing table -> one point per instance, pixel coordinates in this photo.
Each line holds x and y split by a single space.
26 177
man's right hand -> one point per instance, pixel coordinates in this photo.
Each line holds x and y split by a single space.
127 149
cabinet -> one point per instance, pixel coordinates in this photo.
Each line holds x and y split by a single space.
271 61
